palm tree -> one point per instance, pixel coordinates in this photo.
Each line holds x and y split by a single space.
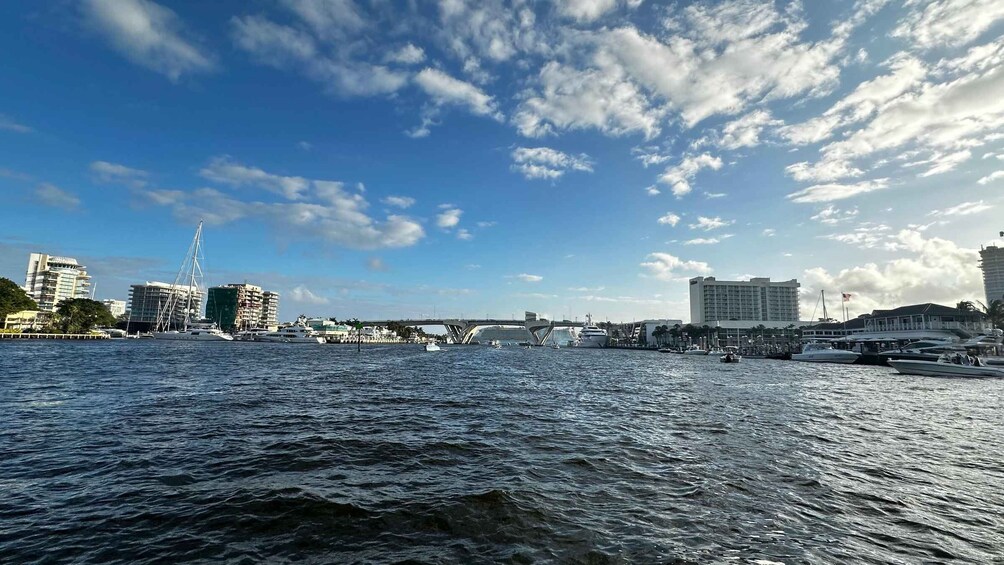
966 306
995 312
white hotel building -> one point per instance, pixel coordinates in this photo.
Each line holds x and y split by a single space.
743 304
992 263
50 279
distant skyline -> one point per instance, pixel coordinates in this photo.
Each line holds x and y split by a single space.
373 158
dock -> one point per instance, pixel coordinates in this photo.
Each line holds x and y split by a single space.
78 337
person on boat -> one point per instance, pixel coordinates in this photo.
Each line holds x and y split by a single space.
957 360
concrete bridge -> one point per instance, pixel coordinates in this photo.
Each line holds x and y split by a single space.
462 331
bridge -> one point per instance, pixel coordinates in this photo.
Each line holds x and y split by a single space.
462 331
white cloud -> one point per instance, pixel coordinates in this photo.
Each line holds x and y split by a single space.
305 145
52 195
547 163
464 235
114 173
287 48
714 195
529 278
573 99
707 240
446 90
407 55
304 295
666 267
831 215
822 171
948 22
831 192
223 169
745 131
9 124
448 218
963 209
942 162
769 232
707 224
670 219
652 191
147 34
991 177
585 10
403 202
934 270
678 177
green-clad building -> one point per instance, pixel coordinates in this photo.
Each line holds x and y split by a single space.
242 306
222 307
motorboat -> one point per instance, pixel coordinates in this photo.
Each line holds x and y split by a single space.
296 333
431 346
731 355
820 352
592 336
947 366
251 335
716 351
666 350
695 350
194 334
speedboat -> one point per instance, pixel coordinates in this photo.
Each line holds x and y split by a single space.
695 350
666 350
431 346
817 352
292 334
731 356
716 351
946 366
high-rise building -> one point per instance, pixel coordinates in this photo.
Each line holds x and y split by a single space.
269 310
235 306
755 300
992 263
50 279
116 307
151 303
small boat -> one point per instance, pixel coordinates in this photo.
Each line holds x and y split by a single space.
947 366
431 346
820 352
731 356
695 350
666 350
716 351
555 346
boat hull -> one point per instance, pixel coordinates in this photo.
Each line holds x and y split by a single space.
280 339
835 356
936 369
695 352
592 342
190 336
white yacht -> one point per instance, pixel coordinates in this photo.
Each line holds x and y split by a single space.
252 334
431 346
592 336
695 350
819 352
297 333
185 298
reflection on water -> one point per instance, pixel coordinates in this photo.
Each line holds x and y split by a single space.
148 451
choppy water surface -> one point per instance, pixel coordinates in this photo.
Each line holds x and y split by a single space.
147 451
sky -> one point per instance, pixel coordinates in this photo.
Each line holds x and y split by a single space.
453 158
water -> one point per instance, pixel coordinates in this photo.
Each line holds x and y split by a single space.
146 452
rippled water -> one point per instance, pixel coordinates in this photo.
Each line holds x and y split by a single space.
147 451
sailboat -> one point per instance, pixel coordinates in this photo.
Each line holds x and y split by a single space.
190 272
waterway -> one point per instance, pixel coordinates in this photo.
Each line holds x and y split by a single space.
144 451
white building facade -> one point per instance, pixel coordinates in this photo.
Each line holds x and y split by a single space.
992 264
743 303
51 279
148 301
269 310
116 307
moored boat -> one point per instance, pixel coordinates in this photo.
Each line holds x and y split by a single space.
818 352
297 333
695 350
946 367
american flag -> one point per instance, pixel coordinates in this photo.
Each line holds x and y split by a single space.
846 296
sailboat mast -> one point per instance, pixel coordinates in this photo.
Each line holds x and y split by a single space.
822 295
196 244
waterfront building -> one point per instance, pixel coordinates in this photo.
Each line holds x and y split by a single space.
236 306
647 329
269 310
757 301
992 264
116 307
26 320
332 331
147 301
50 279
906 323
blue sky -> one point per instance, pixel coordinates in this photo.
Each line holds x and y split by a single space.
375 158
